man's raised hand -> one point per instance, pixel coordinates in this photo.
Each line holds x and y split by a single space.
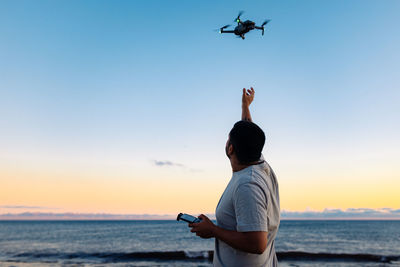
248 96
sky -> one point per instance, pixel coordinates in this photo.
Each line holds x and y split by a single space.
124 107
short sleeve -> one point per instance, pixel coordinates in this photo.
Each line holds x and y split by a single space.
250 204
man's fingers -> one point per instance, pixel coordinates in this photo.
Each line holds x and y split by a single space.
248 92
203 217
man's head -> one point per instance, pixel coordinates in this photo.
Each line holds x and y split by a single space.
247 140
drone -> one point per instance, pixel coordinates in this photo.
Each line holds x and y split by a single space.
243 27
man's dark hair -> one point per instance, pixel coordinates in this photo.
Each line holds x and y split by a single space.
247 140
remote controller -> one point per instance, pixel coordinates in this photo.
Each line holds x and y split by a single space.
187 218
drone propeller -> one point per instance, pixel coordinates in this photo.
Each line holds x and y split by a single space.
238 17
263 24
224 27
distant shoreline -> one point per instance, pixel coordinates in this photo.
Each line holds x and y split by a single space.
385 214
127 220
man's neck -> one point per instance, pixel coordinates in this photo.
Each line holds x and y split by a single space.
236 166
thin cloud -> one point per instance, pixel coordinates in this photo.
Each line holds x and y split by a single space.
88 216
163 163
351 213
83 216
167 163
23 207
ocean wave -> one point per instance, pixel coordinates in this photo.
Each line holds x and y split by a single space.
302 256
203 255
117 257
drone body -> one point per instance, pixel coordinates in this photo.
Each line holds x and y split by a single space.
244 27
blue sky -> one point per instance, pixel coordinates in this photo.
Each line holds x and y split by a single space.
134 82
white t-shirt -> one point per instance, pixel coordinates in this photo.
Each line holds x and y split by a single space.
250 202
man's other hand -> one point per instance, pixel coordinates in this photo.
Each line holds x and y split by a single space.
204 229
248 96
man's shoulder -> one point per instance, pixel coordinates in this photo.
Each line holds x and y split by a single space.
253 177
258 177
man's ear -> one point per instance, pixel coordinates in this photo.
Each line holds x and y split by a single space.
230 150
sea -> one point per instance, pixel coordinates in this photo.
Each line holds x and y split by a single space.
170 243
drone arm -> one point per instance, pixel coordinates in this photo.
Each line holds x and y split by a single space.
226 31
260 28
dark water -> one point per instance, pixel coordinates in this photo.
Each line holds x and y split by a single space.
170 243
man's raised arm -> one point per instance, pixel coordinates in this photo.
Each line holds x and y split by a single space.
247 98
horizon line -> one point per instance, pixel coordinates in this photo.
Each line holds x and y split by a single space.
326 214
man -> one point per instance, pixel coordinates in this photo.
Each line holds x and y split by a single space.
248 212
